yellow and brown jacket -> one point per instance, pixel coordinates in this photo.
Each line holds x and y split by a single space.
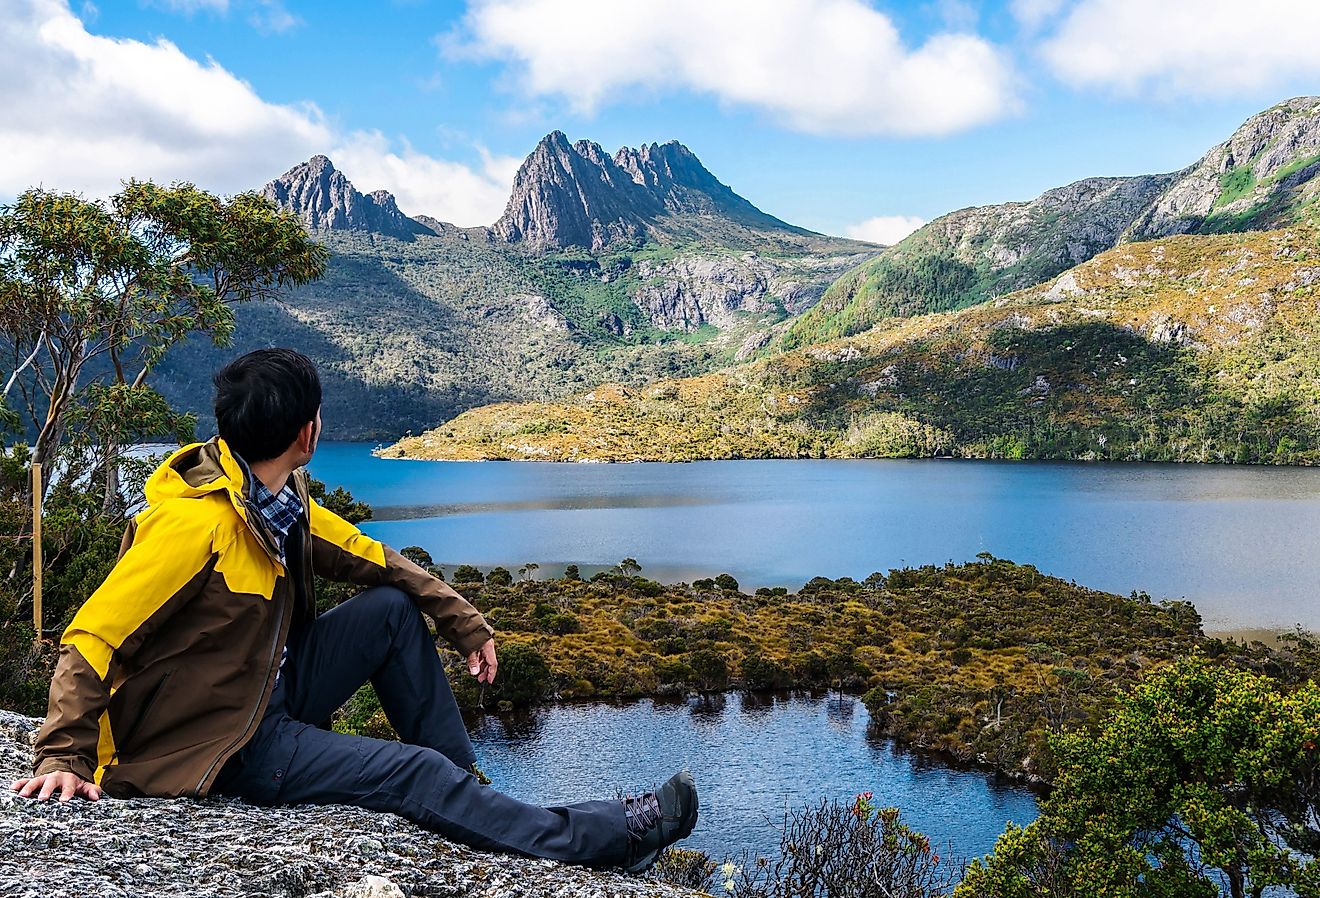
165 671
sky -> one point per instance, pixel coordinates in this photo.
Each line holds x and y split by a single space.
858 118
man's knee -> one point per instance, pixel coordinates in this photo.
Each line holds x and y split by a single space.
389 602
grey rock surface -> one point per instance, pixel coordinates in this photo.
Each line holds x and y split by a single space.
1261 177
323 198
217 848
578 195
691 290
1060 228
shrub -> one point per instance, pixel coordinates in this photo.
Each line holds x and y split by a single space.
726 582
759 672
685 868
711 670
838 848
466 573
499 577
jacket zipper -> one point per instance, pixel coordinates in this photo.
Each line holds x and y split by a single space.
280 627
258 706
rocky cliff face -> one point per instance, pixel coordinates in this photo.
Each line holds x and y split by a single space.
578 195
1032 241
325 200
692 290
1263 176
222 847
574 195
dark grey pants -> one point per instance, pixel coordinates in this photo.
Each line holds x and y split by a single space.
379 635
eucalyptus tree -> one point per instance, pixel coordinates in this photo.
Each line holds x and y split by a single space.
94 293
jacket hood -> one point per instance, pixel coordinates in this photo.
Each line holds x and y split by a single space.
197 470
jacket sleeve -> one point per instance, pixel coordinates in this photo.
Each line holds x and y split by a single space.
342 552
164 559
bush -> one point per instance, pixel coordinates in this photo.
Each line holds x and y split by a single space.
685 868
523 677
726 582
466 573
843 849
711 670
25 669
499 577
759 672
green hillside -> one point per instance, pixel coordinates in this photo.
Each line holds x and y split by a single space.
1191 348
1262 177
410 332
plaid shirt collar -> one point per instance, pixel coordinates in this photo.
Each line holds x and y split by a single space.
280 511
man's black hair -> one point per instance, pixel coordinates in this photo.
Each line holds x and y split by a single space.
263 399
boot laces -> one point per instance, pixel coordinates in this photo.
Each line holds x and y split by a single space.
642 812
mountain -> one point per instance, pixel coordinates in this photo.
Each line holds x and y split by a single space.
577 195
417 320
1262 176
1189 348
325 200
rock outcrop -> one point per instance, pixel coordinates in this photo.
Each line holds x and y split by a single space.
222 847
1029 242
691 290
324 199
1263 176
578 195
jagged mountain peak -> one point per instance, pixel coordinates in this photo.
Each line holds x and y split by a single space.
576 194
324 198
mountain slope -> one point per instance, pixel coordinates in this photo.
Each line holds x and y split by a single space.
1191 348
417 320
1263 176
972 255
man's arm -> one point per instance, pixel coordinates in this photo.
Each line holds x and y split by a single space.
164 559
342 552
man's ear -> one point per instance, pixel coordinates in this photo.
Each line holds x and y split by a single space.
305 436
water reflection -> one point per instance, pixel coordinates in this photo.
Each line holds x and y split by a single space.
753 756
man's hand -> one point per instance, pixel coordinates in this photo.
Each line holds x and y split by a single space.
67 784
482 664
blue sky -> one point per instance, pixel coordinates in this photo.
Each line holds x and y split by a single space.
826 113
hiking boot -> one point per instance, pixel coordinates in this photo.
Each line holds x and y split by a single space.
658 819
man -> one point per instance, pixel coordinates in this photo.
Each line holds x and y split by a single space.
200 665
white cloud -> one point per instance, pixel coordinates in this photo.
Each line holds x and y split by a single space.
83 112
1185 47
423 184
823 66
885 229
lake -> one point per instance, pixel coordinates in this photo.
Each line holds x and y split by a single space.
1241 543
753 756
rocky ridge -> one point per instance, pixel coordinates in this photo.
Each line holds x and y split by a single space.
1263 176
578 195
218 848
324 199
